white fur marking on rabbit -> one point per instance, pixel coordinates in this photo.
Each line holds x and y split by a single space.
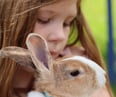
35 94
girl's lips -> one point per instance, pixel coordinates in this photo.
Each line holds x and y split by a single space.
53 53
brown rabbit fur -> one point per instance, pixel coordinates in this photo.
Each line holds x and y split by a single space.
73 76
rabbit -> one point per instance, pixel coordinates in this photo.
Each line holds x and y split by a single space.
72 76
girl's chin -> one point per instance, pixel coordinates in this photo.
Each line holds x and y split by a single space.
54 56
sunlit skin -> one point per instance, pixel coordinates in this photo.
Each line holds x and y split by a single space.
53 23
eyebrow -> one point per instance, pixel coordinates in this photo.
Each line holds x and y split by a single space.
51 13
46 12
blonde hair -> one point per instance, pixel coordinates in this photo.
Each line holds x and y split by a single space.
17 19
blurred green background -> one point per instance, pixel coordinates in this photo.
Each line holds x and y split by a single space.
95 12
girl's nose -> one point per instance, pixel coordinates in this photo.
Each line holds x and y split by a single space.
57 33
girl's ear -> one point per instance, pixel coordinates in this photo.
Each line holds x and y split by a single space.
18 54
38 48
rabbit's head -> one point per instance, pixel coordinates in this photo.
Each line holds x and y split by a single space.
73 76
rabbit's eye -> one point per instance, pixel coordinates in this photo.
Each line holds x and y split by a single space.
75 73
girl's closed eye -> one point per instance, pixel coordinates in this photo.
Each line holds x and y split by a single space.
43 21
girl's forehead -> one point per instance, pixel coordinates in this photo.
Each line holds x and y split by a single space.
63 5
62 2
69 1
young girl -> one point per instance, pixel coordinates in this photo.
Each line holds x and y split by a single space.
55 20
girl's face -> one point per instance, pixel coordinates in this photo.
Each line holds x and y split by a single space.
53 23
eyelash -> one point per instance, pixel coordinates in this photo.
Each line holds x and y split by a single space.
47 21
43 21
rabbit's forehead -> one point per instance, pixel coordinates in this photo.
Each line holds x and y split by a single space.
71 64
88 62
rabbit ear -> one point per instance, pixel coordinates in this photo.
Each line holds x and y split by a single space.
18 54
37 45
